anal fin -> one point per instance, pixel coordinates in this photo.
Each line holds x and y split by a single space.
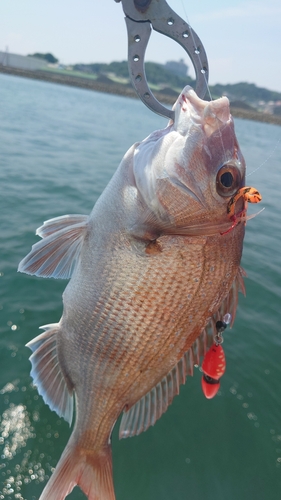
47 375
152 405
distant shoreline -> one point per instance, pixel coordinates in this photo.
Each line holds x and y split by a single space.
123 90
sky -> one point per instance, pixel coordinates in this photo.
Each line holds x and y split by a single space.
242 38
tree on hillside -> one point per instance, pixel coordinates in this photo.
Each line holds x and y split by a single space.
245 91
158 73
48 57
155 73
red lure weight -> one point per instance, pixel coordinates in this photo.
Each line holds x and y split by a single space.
213 367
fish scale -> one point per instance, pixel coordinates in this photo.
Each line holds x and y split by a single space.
151 320
152 269
168 292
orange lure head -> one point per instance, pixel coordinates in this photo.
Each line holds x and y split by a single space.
249 194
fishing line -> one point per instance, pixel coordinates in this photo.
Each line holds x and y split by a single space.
197 51
265 161
211 99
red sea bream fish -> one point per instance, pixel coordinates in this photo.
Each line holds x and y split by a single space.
152 269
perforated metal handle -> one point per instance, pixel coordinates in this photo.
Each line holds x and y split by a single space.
171 25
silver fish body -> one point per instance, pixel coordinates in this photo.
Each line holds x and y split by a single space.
151 268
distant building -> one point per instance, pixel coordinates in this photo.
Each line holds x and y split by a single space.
21 62
177 67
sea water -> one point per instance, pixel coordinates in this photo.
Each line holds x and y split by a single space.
59 146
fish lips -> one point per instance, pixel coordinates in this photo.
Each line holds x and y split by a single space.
191 110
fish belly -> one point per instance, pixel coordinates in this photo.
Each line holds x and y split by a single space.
131 313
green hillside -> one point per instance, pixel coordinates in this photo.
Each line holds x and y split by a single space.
159 76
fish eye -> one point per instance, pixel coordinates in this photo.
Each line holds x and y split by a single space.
228 180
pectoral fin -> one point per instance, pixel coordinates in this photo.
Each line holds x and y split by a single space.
58 252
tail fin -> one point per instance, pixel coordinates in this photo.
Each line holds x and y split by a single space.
92 472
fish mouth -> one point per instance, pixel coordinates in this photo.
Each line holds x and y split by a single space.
190 109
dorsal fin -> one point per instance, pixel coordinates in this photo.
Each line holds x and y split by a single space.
47 375
58 252
152 405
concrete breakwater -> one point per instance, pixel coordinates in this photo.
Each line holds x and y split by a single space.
124 90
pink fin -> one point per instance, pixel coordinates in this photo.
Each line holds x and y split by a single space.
52 226
58 252
152 405
92 472
47 375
